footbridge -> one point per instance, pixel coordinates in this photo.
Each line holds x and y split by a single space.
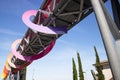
52 20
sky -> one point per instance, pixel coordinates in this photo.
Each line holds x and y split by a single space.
57 65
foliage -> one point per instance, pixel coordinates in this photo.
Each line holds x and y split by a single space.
81 75
98 66
74 70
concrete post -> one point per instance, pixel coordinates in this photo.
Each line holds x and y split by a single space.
107 39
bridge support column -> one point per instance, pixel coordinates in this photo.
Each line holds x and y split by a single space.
116 11
18 75
114 28
107 39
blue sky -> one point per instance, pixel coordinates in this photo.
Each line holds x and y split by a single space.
57 65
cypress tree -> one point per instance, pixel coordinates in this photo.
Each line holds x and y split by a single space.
81 75
74 70
98 66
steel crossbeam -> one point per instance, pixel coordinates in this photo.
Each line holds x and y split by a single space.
65 14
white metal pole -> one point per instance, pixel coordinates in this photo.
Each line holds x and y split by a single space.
113 28
118 47
107 39
18 75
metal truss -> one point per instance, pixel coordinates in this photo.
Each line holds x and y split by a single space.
65 14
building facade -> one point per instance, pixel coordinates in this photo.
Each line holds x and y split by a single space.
105 69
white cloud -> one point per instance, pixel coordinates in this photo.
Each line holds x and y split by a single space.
78 29
58 64
9 32
63 41
5 45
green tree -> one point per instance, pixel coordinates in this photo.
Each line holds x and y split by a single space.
81 75
74 70
98 66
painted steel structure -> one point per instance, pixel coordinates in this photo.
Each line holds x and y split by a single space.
53 19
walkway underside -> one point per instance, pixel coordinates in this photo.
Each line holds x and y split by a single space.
60 16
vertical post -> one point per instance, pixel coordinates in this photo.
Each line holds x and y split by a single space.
93 74
116 12
113 28
118 47
112 25
22 73
107 39
18 75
